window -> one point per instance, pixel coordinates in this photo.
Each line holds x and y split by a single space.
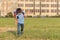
47 10
59 10
26 0
29 5
43 0
37 0
53 5
21 0
31 0
53 10
26 10
44 5
47 0
37 5
53 0
44 10
18 0
20 5
11 0
37 10
29 10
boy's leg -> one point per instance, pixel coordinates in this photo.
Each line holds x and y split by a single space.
18 29
22 27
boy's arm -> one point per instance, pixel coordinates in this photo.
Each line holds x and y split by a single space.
16 20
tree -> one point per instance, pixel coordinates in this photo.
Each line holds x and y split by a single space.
9 14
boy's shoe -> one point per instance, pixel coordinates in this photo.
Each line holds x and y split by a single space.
18 35
21 32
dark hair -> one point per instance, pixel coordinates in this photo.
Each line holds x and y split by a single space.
18 10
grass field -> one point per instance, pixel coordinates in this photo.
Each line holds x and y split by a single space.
35 29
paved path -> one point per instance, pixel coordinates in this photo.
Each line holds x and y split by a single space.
5 29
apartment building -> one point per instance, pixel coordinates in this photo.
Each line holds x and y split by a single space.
40 7
31 7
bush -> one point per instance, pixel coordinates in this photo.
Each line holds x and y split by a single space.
29 16
9 14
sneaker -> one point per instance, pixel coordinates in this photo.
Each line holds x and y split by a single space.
21 32
18 34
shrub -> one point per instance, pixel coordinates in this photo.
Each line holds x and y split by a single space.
9 14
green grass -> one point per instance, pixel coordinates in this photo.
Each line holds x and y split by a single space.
35 29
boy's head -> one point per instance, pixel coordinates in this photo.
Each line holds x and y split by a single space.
18 10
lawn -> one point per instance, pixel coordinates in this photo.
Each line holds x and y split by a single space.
35 29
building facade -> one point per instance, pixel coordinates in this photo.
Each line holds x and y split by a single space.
7 6
31 7
40 7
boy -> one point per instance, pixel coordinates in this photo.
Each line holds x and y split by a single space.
20 21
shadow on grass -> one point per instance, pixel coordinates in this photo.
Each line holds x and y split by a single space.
14 33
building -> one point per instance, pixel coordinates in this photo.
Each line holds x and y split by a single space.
40 7
7 6
31 7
